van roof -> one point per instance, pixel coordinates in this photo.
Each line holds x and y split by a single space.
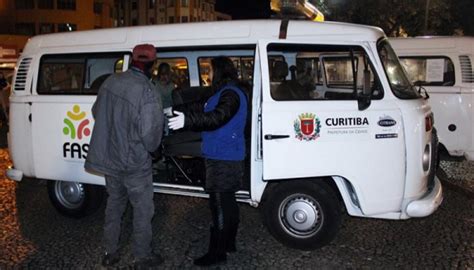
199 34
434 44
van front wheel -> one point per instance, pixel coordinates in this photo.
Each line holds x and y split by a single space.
302 214
75 199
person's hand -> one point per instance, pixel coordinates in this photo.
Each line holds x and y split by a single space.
176 122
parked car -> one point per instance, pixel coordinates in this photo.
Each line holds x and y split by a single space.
444 67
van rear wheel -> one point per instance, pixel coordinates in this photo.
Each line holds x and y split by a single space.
75 199
302 214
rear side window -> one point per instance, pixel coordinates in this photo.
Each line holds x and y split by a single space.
76 74
429 70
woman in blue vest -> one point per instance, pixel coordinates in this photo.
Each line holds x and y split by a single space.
222 122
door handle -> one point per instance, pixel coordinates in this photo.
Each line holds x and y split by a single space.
275 137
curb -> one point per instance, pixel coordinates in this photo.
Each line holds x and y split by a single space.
443 177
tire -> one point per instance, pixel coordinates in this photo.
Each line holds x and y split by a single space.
435 156
73 199
303 215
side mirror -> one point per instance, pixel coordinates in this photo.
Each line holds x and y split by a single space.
363 102
364 98
421 90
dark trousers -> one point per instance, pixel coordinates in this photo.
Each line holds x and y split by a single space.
139 190
224 210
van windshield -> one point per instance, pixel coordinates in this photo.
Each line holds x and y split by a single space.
399 82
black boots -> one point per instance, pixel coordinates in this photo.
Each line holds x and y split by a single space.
232 234
217 249
225 220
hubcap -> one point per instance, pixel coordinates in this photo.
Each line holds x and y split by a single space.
300 215
69 194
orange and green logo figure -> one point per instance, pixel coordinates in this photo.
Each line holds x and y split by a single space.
76 116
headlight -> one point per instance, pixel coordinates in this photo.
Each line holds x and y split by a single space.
426 158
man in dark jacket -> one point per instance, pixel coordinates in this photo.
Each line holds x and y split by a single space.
128 127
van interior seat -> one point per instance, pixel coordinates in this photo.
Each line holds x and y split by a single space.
183 143
97 83
282 89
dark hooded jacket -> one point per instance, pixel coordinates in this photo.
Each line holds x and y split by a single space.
128 125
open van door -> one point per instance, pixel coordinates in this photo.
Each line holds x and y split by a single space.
307 136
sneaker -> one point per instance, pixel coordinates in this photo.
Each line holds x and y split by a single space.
110 259
148 262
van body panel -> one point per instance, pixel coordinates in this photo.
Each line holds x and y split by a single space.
99 37
20 133
61 128
453 109
200 34
417 138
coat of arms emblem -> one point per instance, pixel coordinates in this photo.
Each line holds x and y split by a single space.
307 127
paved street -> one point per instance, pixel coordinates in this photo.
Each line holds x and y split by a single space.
33 234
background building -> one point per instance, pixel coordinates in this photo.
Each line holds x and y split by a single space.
21 19
146 12
32 17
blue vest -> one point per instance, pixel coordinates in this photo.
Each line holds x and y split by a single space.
226 142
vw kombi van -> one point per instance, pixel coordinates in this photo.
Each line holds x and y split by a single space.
335 124
443 65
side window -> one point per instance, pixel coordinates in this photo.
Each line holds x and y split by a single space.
171 79
320 72
243 64
61 75
429 71
76 74
98 69
179 71
338 72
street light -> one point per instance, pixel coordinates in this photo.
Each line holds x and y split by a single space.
297 8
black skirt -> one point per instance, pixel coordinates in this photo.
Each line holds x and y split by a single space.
223 175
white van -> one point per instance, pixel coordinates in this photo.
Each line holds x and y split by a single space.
335 123
444 66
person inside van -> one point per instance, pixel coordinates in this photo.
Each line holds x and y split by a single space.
164 85
283 89
128 127
222 120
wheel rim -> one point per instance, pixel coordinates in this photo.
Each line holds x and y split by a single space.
69 194
301 215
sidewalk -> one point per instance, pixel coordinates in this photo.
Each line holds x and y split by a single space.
458 175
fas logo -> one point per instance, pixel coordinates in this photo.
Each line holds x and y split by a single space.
307 127
76 128
78 117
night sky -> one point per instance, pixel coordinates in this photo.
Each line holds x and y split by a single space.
245 9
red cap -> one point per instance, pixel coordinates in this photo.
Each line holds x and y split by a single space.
144 53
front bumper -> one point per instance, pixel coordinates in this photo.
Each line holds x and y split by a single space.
427 204
14 174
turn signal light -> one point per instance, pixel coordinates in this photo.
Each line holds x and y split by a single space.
428 122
